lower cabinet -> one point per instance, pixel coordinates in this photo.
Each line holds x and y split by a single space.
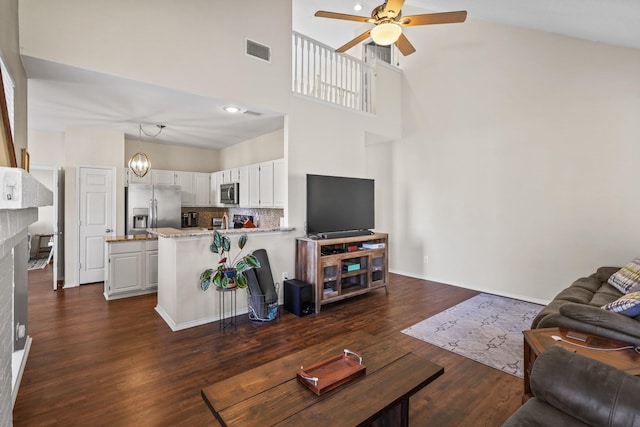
132 268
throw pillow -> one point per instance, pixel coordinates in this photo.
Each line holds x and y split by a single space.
628 305
625 278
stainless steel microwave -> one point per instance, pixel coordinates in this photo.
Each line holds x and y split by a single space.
229 193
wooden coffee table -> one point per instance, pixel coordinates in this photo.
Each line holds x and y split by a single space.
271 395
536 340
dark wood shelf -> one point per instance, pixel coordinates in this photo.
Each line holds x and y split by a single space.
319 262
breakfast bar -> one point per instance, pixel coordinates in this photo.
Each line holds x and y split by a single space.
184 254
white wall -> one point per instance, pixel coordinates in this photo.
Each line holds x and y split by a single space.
188 46
174 157
515 171
87 147
260 149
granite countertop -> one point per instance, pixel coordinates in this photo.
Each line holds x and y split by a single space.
196 232
131 238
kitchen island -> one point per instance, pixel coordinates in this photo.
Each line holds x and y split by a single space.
184 254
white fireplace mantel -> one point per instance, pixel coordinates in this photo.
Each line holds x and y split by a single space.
20 196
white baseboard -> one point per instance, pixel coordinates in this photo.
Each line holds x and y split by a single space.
18 363
192 323
475 288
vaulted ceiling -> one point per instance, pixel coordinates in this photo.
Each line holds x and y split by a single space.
61 96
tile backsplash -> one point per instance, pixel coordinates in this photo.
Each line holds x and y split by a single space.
263 218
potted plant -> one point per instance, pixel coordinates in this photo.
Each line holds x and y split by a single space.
229 272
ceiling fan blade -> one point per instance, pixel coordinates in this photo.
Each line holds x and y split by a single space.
394 7
434 18
344 16
354 42
404 45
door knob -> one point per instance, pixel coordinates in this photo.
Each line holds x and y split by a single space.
108 230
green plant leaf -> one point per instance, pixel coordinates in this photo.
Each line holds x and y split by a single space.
251 261
213 248
242 241
241 266
217 239
226 244
241 280
205 279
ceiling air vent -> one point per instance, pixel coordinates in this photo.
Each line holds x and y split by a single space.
252 113
258 50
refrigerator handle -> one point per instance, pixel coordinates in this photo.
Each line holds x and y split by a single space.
151 213
155 213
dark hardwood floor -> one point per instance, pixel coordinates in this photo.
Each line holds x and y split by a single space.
95 363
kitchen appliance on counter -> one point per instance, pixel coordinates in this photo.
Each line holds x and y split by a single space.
240 220
217 223
229 193
193 219
151 206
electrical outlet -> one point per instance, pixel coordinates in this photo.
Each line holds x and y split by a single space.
285 276
426 259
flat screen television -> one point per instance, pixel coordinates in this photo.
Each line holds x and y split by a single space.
339 205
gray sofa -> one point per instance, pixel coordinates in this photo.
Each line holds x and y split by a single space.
572 390
578 308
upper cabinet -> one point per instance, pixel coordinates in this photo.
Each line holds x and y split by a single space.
279 183
162 177
267 184
132 178
185 181
202 189
261 185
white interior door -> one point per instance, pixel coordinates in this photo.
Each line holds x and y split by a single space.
95 222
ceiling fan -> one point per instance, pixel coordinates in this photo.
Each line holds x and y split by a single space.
389 21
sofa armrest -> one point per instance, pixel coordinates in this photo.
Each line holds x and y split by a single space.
604 319
586 389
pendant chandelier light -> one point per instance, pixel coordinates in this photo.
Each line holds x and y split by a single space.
139 163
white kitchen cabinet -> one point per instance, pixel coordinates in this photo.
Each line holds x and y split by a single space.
151 267
162 177
279 183
214 195
132 268
202 189
243 180
226 176
266 184
254 186
132 178
185 181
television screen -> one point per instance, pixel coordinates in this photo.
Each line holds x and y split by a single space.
339 204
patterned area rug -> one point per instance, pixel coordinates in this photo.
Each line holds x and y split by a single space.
485 328
35 263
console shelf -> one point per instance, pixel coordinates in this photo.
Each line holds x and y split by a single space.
344 267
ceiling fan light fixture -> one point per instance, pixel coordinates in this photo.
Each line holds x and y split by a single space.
386 33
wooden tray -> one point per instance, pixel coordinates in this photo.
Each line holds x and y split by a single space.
331 373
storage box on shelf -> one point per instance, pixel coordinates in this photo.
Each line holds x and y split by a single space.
344 267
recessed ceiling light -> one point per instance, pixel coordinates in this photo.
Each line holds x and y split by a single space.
358 6
233 109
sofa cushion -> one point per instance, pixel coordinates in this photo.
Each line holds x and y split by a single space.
537 413
627 277
628 305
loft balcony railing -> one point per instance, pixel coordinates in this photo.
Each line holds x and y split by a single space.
320 73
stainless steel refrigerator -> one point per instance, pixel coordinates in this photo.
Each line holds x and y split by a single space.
151 206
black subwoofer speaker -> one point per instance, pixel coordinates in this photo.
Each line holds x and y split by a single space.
298 297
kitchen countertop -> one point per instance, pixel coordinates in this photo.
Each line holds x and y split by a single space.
131 238
196 232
